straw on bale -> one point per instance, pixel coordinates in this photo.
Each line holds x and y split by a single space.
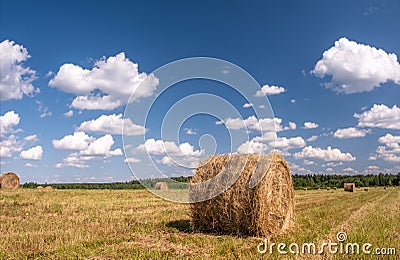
264 210
9 180
161 186
350 186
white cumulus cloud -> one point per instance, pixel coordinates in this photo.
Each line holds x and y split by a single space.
329 154
34 153
380 116
116 78
268 90
355 67
350 132
8 121
390 151
252 123
112 124
87 148
310 125
15 78
159 147
77 141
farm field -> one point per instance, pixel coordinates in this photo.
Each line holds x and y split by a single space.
134 224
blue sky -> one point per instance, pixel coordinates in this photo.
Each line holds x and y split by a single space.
328 68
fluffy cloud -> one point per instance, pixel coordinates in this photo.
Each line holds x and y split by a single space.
183 154
252 147
312 138
132 160
34 153
116 77
350 132
8 121
390 152
252 123
310 125
9 145
160 147
271 141
248 105
77 141
88 148
69 113
380 116
267 90
355 67
31 138
15 79
328 154
112 124
283 143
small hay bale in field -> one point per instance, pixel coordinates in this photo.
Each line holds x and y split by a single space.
305 189
385 187
365 189
328 188
264 210
48 188
161 186
39 187
9 180
334 188
350 186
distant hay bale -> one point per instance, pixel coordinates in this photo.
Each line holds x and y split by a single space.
328 188
365 189
334 188
39 187
350 186
161 186
9 180
305 189
264 210
48 188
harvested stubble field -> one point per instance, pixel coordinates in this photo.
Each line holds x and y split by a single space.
125 224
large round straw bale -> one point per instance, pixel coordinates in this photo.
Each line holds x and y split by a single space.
48 188
161 186
9 180
349 186
39 187
264 210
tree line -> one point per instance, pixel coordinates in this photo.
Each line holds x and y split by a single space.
314 181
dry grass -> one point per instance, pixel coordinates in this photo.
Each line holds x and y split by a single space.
105 224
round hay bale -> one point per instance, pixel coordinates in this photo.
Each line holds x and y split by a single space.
161 186
48 188
334 188
305 189
9 180
349 186
328 188
365 189
39 187
265 210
